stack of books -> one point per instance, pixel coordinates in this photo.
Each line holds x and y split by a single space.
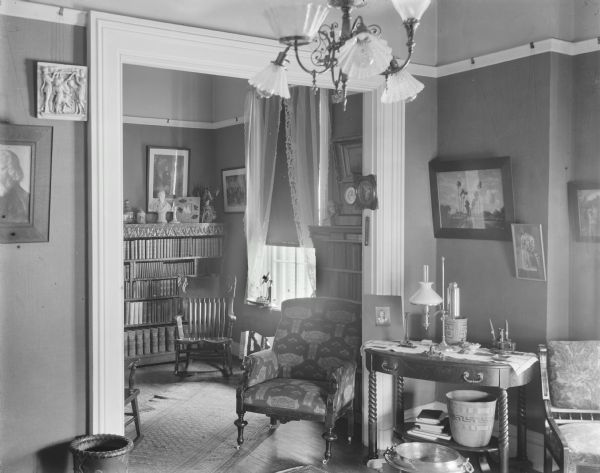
431 424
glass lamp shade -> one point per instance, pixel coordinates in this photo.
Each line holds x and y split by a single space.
296 20
272 80
411 8
401 86
364 55
425 295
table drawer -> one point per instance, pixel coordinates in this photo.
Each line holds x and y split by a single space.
449 371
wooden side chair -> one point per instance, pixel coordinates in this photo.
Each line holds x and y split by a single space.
570 371
309 374
204 331
131 397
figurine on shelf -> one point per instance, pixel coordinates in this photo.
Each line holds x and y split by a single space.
161 207
208 214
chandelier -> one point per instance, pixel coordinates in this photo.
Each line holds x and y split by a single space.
353 51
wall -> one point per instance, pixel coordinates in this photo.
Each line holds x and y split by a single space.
585 257
136 138
43 290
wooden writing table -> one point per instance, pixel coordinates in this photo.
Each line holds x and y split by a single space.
489 373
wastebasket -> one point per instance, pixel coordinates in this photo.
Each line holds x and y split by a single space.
107 453
471 416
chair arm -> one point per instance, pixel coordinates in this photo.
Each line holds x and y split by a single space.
341 383
259 367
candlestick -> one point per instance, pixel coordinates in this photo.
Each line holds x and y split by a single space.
443 283
492 330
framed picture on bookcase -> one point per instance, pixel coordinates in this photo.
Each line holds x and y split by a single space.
168 170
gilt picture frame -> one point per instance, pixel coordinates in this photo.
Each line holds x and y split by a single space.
584 210
528 250
472 198
25 175
168 171
234 190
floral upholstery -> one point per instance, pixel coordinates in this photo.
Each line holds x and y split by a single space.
583 439
310 371
574 371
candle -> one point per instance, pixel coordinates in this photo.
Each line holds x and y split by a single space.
425 273
443 283
506 329
492 329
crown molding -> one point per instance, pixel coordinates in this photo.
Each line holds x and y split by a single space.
67 16
168 122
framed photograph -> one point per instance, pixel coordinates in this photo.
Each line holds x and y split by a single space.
188 209
168 170
528 248
584 210
234 189
62 91
25 169
472 198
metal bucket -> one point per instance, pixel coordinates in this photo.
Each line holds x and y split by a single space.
455 330
471 416
425 457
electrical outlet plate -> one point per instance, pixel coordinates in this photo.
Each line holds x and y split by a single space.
382 316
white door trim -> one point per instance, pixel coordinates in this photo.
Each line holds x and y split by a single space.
116 40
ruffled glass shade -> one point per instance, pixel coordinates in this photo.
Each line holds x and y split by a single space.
272 80
401 86
411 8
425 295
364 55
296 19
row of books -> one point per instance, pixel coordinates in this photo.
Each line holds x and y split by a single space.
148 341
151 312
158 248
335 254
159 269
146 289
431 424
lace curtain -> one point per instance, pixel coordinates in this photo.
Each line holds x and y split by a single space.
303 142
261 118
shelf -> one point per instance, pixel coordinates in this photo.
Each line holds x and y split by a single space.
156 324
402 431
172 230
154 358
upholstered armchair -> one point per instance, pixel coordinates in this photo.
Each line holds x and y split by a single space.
570 374
309 372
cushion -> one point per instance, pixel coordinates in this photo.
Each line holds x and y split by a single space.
573 371
582 440
300 396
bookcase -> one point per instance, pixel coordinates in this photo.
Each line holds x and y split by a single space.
158 259
338 251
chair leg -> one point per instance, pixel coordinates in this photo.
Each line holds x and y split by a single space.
329 436
274 423
187 357
177 349
229 360
240 423
136 418
547 460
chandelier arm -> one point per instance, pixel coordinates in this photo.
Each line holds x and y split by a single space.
410 25
304 68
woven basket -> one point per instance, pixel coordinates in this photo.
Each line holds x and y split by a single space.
107 453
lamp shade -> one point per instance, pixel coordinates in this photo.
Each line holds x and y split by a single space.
425 295
272 80
401 86
411 8
364 55
296 20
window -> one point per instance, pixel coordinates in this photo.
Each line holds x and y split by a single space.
292 270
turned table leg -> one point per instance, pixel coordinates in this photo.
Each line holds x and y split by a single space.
522 425
372 415
503 430
399 419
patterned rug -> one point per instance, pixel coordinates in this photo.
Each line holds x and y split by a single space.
187 426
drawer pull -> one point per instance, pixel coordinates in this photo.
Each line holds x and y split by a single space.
389 367
477 379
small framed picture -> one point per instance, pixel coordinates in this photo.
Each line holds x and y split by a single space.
168 170
584 210
528 248
234 189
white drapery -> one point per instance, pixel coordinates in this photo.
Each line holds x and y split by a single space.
303 142
261 118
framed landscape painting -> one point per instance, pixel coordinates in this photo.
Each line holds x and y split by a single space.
584 210
25 169
234 189
472 198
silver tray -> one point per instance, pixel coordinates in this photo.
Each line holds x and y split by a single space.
425 457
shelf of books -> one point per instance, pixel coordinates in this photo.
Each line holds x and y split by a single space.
433 425
338 251
158 259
